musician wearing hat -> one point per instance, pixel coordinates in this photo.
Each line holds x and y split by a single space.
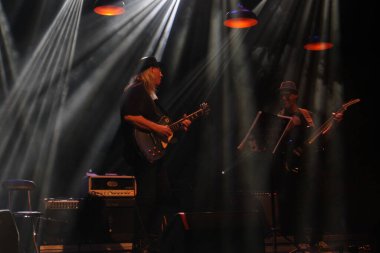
301 178
140 116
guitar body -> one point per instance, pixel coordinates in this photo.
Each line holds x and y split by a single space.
293 160
294 157
151 146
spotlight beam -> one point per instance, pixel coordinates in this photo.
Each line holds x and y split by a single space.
36 99
10 55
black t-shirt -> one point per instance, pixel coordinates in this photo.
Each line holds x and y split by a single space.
294 141
136 101
299 133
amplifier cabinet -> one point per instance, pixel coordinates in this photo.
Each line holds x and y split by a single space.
88 220
59 225
112 186
270 207
107 219
62 204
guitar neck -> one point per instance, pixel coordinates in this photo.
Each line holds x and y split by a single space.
178 124
320 130
325 126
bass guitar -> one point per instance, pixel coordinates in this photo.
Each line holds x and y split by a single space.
293 161
152 146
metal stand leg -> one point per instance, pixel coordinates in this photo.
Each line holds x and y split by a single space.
34 237
274 228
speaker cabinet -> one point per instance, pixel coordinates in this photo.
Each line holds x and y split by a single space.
202 232
267 203
59 222
106 219
59 226
9 238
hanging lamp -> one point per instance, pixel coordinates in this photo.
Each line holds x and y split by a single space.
317 43
109 7
319 38
241 18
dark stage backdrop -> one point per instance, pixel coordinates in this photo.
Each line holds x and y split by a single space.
196 161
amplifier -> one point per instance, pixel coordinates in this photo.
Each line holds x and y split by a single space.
112 186
54 203
60 219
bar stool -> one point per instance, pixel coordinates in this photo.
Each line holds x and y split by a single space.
24 186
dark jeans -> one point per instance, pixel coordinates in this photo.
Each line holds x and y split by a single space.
153 198
302 206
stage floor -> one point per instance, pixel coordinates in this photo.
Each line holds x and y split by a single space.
336 243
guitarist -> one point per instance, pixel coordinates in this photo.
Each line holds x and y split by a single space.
139 109
299 184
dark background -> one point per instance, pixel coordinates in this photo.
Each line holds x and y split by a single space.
196 161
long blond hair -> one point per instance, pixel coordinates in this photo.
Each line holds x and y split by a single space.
147 77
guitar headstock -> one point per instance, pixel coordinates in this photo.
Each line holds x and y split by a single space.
351 102
204 107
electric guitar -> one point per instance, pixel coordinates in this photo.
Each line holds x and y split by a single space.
152 146
293 161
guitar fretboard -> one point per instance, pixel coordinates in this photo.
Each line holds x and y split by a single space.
328 123
178 124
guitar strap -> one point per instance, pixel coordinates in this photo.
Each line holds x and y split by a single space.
306 114
161 112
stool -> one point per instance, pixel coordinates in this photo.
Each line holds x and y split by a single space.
27 186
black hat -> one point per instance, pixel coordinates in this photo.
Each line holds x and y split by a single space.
288 86
147 62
